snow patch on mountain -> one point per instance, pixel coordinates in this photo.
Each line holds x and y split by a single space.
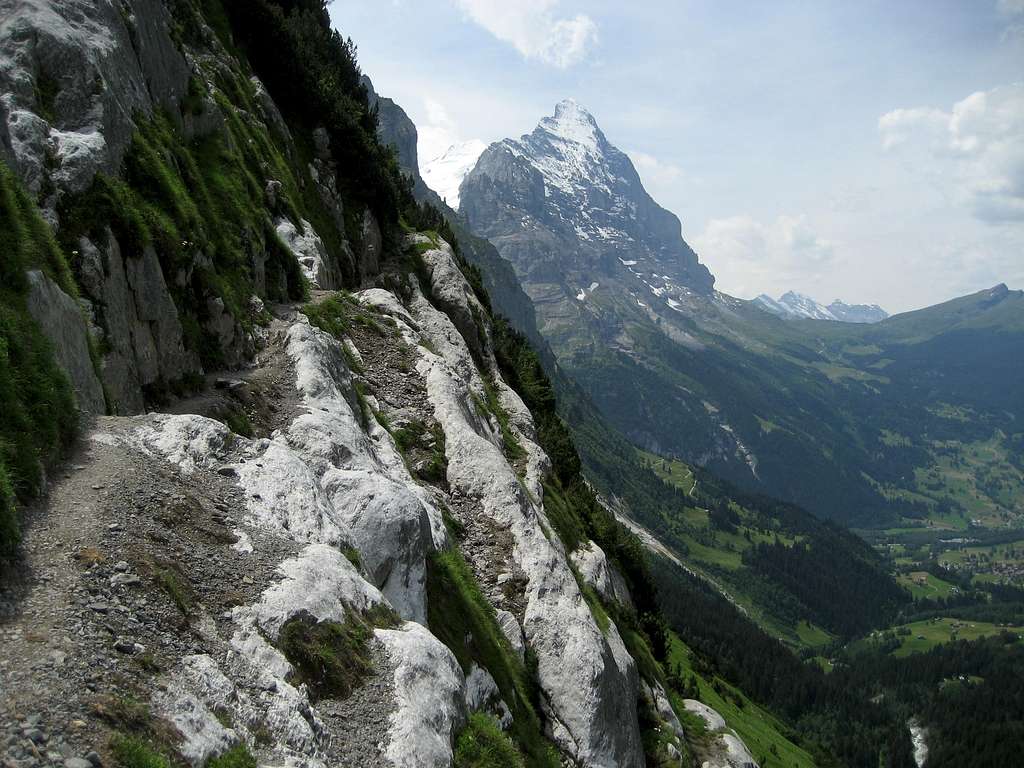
444 174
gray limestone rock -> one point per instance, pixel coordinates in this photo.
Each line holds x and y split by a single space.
63 323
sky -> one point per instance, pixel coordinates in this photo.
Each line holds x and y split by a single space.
869 151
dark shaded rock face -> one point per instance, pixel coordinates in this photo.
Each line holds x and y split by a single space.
568 209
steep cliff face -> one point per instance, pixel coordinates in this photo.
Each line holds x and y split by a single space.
175 186
568 210
336 537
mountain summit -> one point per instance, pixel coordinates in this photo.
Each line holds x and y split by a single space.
568 209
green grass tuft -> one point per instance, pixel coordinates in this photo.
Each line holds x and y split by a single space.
135 752
171 582
238 422
482 744
332 658
513 450
238 756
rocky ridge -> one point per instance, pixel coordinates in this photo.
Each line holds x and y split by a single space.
279 512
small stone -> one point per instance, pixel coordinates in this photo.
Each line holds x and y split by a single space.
36 736
98 607
122 567
94 759
98 487
227 471
124 645
114 527
504 578
125 579
77 724
77 762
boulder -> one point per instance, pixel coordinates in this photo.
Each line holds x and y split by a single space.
311 253
430 694
602 575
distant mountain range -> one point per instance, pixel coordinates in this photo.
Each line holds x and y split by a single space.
793 304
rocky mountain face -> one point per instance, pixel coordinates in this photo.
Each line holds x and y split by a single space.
857 313
567 209
797 305
310 522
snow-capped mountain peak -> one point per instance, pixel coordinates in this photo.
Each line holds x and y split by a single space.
572 122
566 179
444 174
794 305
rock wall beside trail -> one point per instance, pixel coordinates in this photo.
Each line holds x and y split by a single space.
79 80
73 76
62 322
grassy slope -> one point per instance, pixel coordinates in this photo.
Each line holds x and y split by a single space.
717 554
816 401
763 733
925 586
921 636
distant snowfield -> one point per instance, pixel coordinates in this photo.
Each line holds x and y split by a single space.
444 174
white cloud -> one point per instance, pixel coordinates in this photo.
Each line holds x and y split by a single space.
534 28
1010 7
974 153
438 132
654 172
749 257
